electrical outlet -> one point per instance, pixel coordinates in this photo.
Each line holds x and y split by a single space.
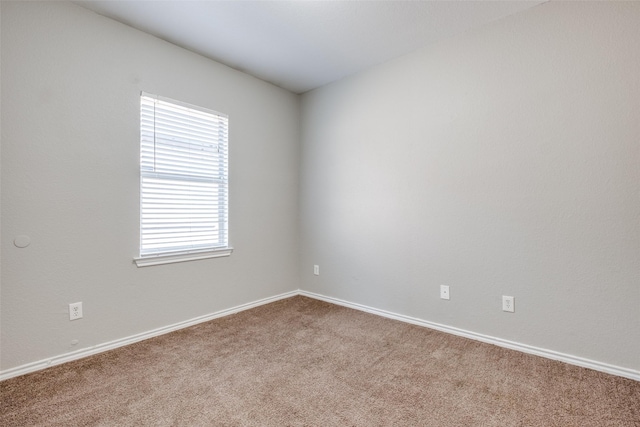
444 292
316 270
75 311
508 304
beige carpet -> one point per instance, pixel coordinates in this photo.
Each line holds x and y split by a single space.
301 362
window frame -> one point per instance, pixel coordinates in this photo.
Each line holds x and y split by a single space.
166 256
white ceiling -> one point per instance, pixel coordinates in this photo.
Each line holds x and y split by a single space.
302 45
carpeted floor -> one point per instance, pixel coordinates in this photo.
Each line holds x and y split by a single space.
302 362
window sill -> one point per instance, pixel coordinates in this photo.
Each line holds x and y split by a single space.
169 259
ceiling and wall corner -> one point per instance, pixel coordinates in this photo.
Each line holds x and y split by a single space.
302 45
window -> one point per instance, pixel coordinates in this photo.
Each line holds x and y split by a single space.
183 182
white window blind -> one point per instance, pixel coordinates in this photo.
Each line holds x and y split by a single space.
183 178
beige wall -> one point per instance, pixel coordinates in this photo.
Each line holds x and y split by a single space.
501 162
71 82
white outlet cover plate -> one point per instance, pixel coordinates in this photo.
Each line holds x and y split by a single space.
444 292
508 304
75 311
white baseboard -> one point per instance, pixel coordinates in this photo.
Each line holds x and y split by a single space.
549 354
79 354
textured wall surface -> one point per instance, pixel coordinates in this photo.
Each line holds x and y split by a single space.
71 82
502 162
